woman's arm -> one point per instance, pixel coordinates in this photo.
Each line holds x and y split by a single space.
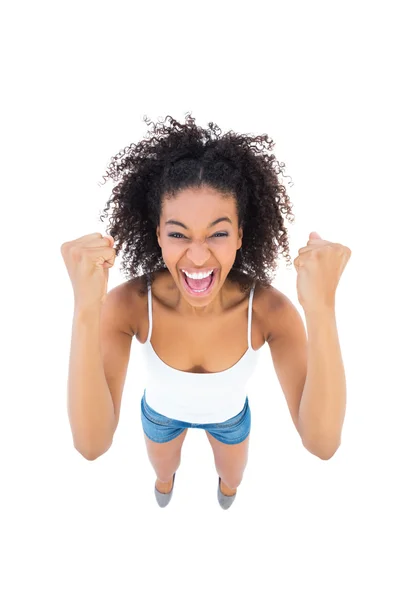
323 402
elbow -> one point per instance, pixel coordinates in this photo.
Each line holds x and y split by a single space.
327 454
89 455
92 453
323 449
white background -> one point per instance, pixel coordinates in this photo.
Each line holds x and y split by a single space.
320 79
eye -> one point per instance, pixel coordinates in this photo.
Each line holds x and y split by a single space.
219 233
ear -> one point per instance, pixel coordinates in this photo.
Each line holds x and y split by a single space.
158 235
240 234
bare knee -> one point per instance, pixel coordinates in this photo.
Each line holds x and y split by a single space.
165 470
231 480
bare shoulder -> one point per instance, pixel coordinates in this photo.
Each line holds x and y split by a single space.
129 302
271 306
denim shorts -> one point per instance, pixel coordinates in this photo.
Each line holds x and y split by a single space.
162 429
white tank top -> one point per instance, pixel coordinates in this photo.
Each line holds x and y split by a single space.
197 397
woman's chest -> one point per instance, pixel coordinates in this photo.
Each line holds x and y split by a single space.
204 345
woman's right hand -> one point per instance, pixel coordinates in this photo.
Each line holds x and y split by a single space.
88 260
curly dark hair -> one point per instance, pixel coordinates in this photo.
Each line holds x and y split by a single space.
182 156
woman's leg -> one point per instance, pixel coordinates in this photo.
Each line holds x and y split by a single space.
230 462
165 458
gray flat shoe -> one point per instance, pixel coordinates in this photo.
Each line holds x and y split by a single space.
224 501
163 499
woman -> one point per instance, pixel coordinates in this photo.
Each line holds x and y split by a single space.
201 220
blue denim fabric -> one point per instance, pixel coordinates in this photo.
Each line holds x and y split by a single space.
162 429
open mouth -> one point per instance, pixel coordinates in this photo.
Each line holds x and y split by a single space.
199 287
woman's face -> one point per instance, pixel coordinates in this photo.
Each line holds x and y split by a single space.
196 243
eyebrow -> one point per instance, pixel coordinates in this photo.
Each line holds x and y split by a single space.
172 222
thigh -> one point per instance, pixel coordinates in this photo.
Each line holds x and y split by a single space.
163 456
230 444
163 441
230 459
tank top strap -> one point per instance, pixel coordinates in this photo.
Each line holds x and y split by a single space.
250 314
150 311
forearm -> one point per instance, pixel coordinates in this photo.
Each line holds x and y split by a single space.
323 403
90 407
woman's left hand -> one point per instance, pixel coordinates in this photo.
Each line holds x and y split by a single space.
319 266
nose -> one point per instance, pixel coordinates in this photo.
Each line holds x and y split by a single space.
198 253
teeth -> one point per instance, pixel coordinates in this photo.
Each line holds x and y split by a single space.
198 275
